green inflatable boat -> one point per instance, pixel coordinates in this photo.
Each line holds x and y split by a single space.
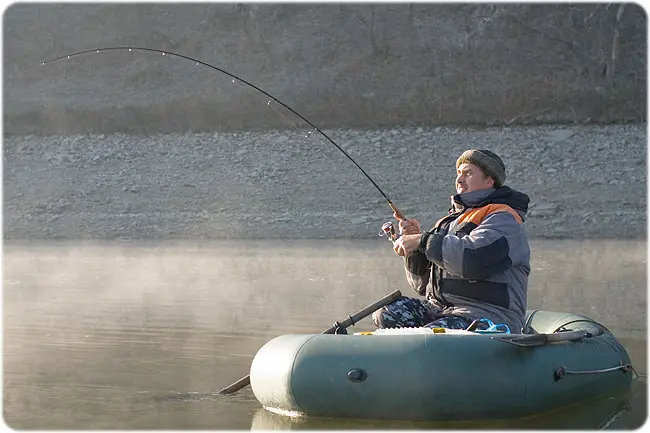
424 374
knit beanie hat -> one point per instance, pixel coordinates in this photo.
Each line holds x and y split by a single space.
488 161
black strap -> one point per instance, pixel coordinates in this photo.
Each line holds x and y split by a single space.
339 329
479 290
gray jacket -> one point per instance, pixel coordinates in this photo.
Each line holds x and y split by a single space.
475 262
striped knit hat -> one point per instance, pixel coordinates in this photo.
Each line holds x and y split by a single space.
488 161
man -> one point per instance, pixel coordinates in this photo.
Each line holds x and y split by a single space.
474 263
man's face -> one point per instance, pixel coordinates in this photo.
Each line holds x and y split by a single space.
470 177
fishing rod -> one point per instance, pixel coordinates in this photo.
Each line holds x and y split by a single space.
398 213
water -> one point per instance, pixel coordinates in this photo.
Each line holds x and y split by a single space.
140 336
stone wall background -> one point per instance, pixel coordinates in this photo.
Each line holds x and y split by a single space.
339 65
136 145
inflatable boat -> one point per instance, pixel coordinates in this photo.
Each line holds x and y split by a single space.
425 374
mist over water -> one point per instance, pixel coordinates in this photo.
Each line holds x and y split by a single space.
126 335
126 145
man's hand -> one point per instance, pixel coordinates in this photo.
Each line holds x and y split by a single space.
407 244
408 226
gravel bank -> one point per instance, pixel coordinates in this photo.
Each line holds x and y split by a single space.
583 180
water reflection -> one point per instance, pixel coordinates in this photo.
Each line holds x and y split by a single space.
595 415
140 336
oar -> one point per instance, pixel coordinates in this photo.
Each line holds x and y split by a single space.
351 320
544 339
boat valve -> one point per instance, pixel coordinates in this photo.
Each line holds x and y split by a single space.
357 375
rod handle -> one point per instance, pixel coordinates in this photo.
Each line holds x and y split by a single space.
398 213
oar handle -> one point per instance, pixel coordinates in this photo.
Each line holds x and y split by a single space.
351 320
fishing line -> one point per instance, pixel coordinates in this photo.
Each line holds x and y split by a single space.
236 80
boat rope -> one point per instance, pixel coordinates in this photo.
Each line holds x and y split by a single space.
526 329
238 81
560 372
563 326
527 324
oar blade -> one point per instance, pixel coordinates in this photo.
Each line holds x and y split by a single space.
241 383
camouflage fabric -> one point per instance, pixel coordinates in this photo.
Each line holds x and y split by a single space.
405 312
450 322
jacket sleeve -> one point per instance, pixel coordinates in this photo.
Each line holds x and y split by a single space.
481 253
418 272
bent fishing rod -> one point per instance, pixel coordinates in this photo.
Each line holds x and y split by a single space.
398 213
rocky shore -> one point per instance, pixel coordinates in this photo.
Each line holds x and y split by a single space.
583 181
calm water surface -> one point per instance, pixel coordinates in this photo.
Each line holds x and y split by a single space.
135 336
